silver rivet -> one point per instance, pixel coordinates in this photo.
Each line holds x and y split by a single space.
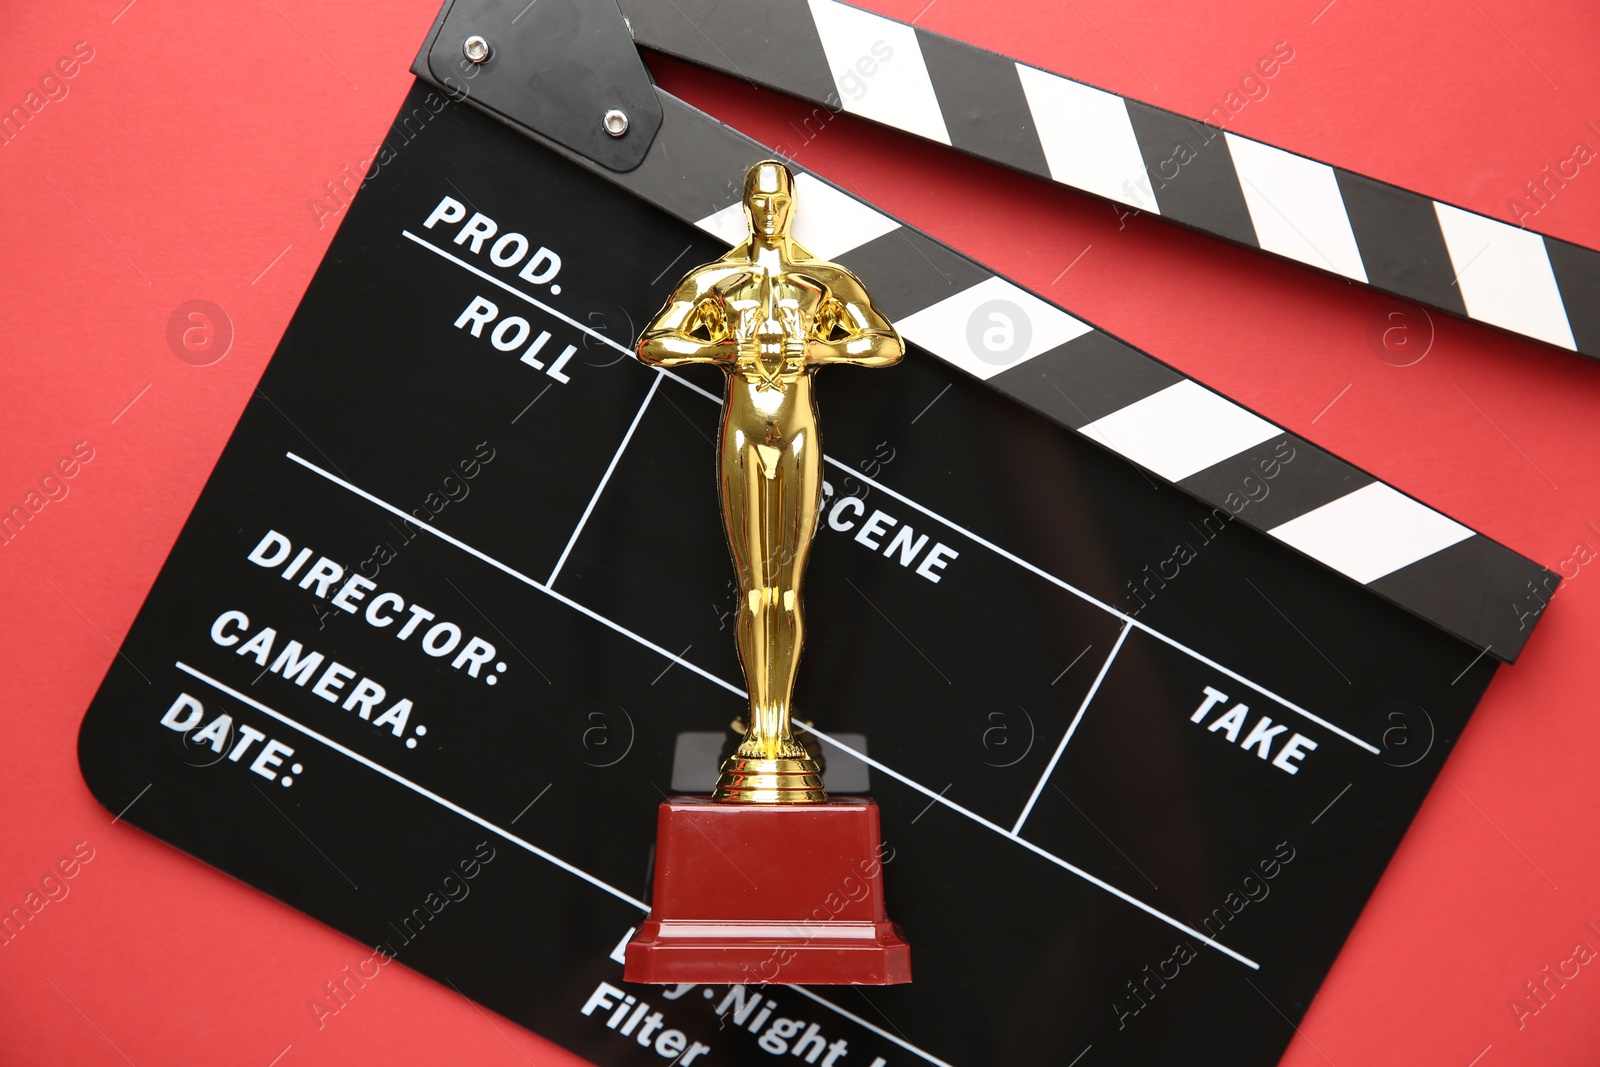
615 122
475 48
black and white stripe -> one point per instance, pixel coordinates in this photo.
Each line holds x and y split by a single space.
1127 152
1118 396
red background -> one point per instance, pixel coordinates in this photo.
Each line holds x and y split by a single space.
183 163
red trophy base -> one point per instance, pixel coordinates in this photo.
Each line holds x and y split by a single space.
761 893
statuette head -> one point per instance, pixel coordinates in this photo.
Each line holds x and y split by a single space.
769 198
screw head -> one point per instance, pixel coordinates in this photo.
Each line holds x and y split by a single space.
475 48
615 122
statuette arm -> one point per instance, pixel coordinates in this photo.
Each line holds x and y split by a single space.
850 329
692 328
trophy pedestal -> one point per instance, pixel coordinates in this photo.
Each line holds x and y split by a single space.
764 893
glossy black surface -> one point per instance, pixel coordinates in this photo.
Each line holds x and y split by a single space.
1033 941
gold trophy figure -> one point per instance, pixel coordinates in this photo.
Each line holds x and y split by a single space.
769 313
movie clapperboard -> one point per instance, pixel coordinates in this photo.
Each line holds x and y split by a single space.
1147 688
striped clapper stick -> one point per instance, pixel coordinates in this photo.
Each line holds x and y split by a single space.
1147 158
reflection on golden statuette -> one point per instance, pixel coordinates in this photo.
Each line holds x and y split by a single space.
770 314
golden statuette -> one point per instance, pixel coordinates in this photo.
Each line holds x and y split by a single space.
769 313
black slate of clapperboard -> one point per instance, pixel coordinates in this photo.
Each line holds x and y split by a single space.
964 688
